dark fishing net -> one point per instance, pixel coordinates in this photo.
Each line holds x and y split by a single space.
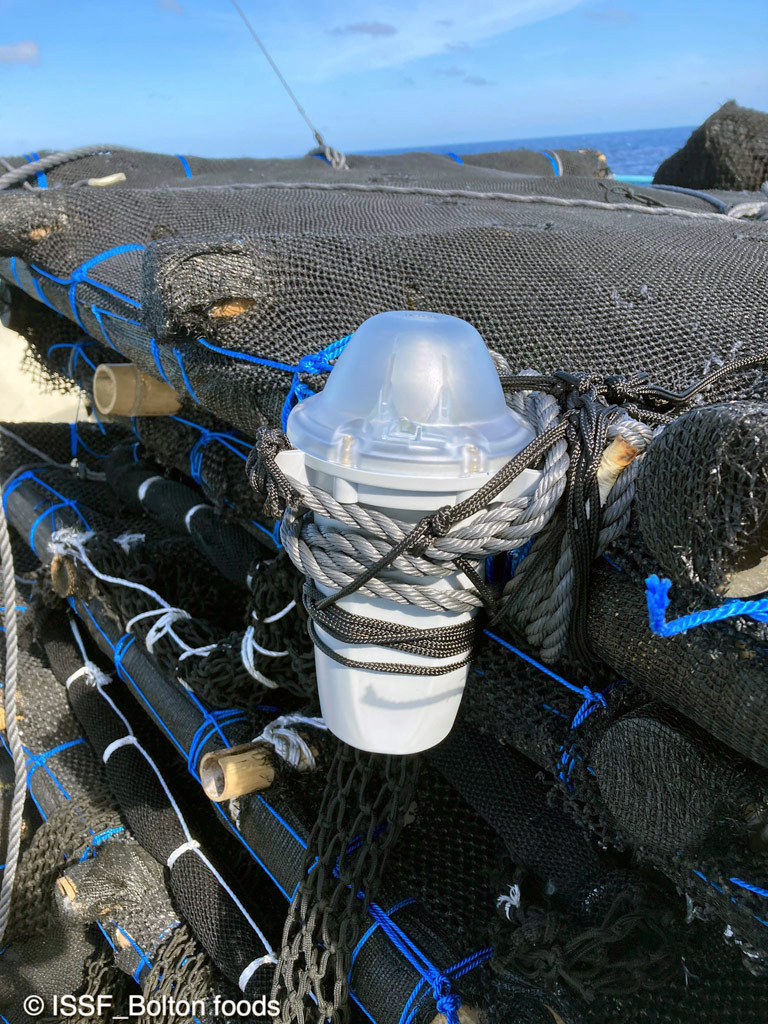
146 170
582 878
703 499
268 300
728 151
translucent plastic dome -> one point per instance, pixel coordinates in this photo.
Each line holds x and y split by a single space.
412 393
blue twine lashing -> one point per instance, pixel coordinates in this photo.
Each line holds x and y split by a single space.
155 350
98 313
657 598
319 362
185 164
592 702
749 887
210 725
585 691
438 981
185 378
80 276
40 176
456 157
97 840
119 652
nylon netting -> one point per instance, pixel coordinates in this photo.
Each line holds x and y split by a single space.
589 844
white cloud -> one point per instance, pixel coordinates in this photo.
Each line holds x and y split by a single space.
27 52
365 28
412 31
170 5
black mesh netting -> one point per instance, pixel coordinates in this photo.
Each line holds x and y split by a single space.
602 289
589 843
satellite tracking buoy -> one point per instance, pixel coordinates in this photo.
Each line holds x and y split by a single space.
412 419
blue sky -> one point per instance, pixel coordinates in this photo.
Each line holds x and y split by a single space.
184 75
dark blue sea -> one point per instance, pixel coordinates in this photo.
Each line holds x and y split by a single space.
628 153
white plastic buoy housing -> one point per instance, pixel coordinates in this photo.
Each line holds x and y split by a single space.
412 418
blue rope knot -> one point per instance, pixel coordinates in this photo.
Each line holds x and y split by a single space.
196 455
447 1002
317 362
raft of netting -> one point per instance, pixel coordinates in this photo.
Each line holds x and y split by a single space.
586 845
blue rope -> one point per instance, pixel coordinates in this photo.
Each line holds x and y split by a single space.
567 757
207 728
657 597
155 350
144 960
75 352
206 437
585 691
76 443
80 276
719 888
97 840
553 161
184 164
456 157
40 176
63 503
98 313
245 356
319 362
750 887
185 378
118 653
447 1002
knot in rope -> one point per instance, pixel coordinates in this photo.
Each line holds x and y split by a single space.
430 528
289 745
266 478
447 1002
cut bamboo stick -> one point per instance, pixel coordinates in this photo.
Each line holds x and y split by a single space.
227 774
616 457
121 389
466 1016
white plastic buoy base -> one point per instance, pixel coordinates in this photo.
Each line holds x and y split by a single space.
389 712
386 713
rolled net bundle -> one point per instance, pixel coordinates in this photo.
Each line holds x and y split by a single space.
728 151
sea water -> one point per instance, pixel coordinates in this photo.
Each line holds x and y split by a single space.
628 153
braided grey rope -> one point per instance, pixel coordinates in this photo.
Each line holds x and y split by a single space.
740 211
47 163
539 597
336 557
11 725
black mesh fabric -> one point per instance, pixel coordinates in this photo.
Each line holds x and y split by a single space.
730 151
702 499
215 269
713 674
565 857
